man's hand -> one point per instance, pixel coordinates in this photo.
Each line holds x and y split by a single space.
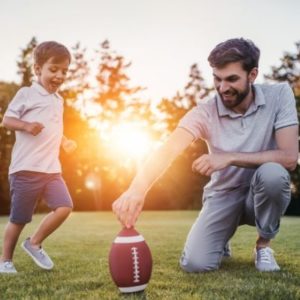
208 163
33 128
69 145
128 207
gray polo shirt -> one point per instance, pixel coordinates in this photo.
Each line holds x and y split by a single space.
224 130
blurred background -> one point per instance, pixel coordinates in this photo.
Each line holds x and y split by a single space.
122 102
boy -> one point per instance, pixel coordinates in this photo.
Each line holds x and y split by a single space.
36 115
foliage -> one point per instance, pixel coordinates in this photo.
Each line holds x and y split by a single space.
7 91
289 71
80 250
100 102
25 63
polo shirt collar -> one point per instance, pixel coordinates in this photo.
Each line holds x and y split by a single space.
42 90
259 100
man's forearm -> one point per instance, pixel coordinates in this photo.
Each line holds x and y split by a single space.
153 168
287 159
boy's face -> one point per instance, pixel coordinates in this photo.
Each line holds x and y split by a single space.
52 74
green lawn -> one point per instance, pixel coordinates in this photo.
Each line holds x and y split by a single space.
80 250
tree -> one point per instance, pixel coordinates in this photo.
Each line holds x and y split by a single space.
25 63
289 71
175 108
7 138
180 186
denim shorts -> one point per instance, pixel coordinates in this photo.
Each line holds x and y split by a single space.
27 187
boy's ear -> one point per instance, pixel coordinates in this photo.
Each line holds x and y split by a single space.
37 69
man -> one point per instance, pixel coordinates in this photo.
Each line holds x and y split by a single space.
252 135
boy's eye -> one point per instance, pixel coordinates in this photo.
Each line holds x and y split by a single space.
53 70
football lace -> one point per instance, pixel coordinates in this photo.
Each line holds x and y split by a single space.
136 269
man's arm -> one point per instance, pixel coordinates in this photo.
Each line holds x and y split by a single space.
13 123
286 155
129 205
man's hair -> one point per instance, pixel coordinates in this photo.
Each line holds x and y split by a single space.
51 49
235 50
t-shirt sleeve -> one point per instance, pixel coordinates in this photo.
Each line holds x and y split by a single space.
195 121
287 112
17 106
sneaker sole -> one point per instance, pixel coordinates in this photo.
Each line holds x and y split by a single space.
35 260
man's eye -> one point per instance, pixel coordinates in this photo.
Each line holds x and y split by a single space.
233 79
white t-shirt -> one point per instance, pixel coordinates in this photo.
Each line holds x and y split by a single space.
38 153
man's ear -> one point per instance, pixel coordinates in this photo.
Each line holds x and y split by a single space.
253 74
37 69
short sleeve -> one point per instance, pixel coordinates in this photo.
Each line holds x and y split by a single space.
17 106
195 121
287 112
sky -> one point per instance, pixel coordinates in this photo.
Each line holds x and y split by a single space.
162 38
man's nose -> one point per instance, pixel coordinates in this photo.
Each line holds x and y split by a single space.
223 87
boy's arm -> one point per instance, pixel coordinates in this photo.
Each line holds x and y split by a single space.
129 205
68 145
13 123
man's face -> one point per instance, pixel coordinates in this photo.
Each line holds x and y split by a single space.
51 74
233 83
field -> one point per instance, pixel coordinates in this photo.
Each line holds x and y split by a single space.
80 250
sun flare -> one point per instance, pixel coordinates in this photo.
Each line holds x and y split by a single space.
131 141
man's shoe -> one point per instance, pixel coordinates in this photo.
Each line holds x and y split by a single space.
227 251
265 260
7 267
39 256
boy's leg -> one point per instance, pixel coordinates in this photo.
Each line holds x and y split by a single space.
215 225
49 224
11 235
59 200
24 190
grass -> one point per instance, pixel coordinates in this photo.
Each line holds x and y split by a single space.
80 250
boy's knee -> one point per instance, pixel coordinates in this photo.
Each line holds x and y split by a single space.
64 211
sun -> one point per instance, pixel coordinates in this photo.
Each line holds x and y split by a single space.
129 140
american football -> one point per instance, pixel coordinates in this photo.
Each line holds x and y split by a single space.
130 261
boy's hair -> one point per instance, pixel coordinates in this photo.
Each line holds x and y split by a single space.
235 50
50 49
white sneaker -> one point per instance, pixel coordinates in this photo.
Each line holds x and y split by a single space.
265 260
7 267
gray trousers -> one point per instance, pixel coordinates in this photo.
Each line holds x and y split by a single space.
261 205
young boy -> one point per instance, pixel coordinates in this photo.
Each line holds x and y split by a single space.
36 115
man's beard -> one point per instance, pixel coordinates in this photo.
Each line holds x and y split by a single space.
237 96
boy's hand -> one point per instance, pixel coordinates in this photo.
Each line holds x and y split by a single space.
128 207
69 145
33 128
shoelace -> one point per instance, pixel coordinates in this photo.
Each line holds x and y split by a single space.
265 255
42 252
8 265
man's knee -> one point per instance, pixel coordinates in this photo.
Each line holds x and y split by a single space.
199 264
273 178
